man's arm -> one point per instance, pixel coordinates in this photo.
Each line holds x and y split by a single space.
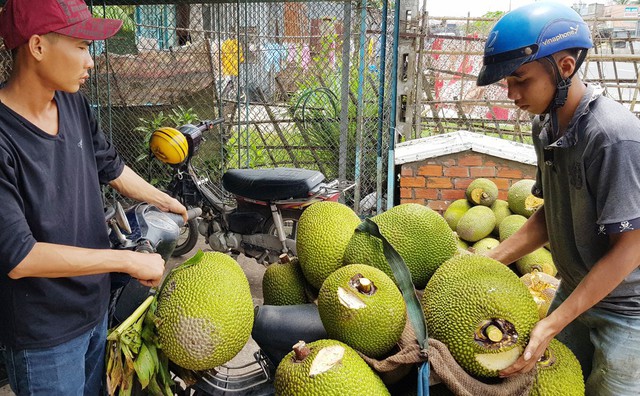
131 185
606 275
531 236
48 260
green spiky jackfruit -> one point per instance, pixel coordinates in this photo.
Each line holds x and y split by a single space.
510 225
482 191
362 307
324 230
326 368
481 311
520 199
205 311
455 211
485 244
419 234
476 224
540 260
501 209
559 373
284 284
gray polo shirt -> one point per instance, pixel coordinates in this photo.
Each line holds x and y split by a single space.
590 182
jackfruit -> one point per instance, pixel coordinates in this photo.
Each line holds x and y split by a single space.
540 259
501 209
461 244
476 224
283 283
419 234
324 229
485 244
455 211
481 311
543 289
205 311
362 307
521 200
482 191
510 225
326 368
559 373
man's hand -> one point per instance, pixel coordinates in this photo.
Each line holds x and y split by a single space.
147 268
174 206
541 335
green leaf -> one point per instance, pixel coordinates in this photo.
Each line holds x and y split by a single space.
144 366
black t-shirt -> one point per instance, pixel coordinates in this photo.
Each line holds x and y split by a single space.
50 192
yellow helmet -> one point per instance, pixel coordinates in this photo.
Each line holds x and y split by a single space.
169 145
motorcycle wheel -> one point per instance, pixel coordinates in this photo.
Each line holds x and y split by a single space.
187 239
290 220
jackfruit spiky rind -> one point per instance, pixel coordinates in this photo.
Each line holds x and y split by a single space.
352 376
205 311
510 225
284 284
501 209
374 328
482 191
485 244
520 198
563 377
540 259
455 211
324 230
468 290
418 233
476 224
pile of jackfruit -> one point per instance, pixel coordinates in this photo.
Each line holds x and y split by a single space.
479 308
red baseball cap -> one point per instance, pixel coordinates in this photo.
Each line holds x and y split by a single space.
21 19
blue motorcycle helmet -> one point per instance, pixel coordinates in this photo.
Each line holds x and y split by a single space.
533 32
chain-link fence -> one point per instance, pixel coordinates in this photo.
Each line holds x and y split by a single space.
285 76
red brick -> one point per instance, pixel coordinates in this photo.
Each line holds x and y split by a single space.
439 206
482 171
407 171
449 162
462 183
456 171
412 182
406 193
430 170
426 193
509 173
489 162
439 182
452 195
503 184
502 195
417 201
470 160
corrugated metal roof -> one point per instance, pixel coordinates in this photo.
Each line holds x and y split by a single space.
455 142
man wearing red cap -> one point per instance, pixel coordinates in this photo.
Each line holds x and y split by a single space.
54 248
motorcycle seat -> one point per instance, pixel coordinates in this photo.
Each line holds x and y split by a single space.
271 184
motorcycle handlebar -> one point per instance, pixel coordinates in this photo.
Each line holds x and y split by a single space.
191 214
205 125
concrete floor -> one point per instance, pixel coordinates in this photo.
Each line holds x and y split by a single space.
254 272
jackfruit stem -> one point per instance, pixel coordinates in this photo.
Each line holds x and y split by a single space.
284 258
494 333
128 322
365 285
301 350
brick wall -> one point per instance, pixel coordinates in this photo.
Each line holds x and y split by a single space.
438 181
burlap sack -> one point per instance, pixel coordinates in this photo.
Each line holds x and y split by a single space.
444 368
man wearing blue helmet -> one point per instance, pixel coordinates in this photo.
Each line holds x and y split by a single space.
588 150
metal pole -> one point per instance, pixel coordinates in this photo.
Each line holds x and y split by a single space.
344 92
360 109
391 173
381 89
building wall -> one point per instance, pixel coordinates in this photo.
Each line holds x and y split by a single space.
436 182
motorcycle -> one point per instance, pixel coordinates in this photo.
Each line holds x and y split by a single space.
261 219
